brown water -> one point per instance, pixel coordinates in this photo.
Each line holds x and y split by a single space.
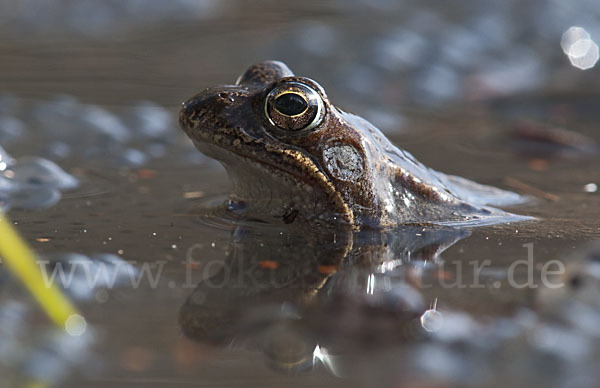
150 215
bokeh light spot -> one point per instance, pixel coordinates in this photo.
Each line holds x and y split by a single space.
76 325
578 45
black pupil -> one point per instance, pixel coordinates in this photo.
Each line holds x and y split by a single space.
290 104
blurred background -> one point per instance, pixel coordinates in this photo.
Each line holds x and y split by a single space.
95 168
379 59
390 53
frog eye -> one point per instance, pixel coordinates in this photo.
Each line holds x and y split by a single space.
294 106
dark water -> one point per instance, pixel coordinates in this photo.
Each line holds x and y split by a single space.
144 198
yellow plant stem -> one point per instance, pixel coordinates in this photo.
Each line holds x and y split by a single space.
21 262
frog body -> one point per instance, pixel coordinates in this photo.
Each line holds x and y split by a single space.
295 157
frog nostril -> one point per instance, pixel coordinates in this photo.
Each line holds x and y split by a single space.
226 97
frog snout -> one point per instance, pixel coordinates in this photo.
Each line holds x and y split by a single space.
205 108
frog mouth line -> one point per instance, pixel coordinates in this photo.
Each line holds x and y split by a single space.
209 150
229 158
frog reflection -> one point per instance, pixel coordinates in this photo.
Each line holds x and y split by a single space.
295 157
287 290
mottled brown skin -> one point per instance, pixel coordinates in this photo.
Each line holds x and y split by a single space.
342 170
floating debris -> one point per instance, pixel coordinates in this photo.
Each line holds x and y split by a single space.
543 140
530 190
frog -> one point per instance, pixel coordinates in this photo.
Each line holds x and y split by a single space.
294 157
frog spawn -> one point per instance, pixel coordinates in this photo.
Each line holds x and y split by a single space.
73 129
65 127
556 346
574 294
556 343
31 183
29 349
